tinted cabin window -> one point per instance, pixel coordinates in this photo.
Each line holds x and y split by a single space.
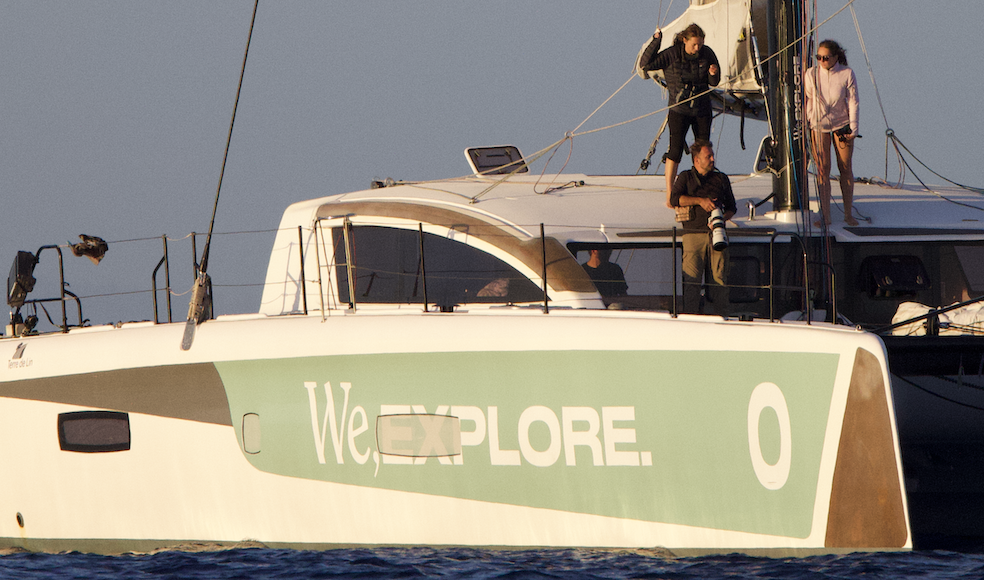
387 266
972 261
893 276
94 431
648 273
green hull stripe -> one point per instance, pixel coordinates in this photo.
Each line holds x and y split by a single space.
653 436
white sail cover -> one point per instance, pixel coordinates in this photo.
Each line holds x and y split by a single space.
729 27
966 320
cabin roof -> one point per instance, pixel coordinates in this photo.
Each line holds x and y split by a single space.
620 208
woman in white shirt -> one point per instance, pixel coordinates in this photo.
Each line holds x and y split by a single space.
832 112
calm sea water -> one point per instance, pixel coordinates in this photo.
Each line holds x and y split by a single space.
466 563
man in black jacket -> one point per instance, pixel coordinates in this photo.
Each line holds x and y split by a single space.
703 189
690 69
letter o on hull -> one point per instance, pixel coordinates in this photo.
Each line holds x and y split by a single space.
547 417
770 476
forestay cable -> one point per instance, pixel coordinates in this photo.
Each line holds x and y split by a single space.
196 306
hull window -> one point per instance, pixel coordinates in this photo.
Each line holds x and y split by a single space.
418 435
94 431
251 433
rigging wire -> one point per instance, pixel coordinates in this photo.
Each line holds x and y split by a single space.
225 156
199 306
926 187
632 76
825 249
810 146
898 155
877 95
644 165
574 133
935 394
525 161
666 14
898 143
759 63
890 133
871 72
571 134
568 137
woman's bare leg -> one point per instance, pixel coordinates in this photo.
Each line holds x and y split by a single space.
821 158
845 153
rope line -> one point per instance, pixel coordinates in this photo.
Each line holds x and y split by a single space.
949 400
899 143
598 108
533 158
709 90
567 137
666 14
890 134
525 161
186 236
225 156
871 72
929 189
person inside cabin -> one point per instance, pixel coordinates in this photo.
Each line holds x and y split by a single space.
703 189
607 276
832 112
690 69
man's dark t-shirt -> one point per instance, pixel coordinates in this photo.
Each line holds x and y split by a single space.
608 278
715 186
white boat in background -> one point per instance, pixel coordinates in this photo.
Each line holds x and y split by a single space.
431 365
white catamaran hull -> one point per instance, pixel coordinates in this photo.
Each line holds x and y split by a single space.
576 428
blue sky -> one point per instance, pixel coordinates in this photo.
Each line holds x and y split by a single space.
114 114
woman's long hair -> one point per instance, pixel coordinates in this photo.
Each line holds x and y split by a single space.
690 32
835 49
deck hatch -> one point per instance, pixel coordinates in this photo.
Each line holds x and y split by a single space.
496 160
94 431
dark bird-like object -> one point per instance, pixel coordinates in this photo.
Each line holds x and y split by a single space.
92 247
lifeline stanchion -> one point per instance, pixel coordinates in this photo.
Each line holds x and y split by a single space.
543 251
423 269
300 246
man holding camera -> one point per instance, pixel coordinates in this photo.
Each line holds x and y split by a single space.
700 191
